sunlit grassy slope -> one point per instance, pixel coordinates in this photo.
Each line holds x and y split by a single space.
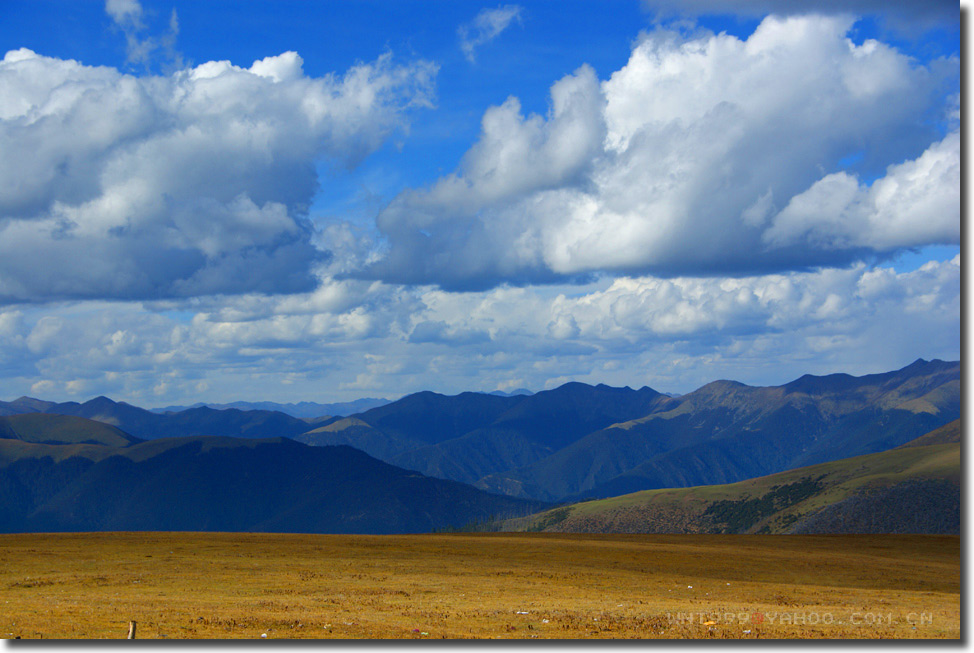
780 502
62 429
951 432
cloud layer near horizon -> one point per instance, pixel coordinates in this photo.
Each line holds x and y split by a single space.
349 338
701 156
188 184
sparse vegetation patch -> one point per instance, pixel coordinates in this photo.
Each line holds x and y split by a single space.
549 519
738 516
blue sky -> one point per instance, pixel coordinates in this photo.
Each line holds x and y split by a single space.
329 200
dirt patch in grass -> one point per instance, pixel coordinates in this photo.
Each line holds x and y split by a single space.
537 586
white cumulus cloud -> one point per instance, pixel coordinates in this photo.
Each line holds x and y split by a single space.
197 182
917 202
348 337
678 163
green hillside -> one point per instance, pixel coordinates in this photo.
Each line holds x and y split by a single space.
14 450
918 485
42 428
356 433
945 434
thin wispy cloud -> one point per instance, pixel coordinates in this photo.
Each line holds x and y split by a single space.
487 26
126 13
140 47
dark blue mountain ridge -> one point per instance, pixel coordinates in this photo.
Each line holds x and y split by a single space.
228 484
580 440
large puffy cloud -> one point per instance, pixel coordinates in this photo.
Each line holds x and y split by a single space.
679 163
915 203
353 338
199 182
474 224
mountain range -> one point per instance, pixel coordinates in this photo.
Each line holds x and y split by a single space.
147 425
311 409
68 473
579 441
301 409
567 444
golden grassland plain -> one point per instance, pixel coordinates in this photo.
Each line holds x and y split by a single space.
499 585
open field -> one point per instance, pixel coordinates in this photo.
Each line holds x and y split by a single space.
205 585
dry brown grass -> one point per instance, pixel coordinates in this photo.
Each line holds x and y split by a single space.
200 585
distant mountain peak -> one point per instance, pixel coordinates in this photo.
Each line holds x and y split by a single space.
724 384
513 393
579 386
38 405
921 364
301 409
